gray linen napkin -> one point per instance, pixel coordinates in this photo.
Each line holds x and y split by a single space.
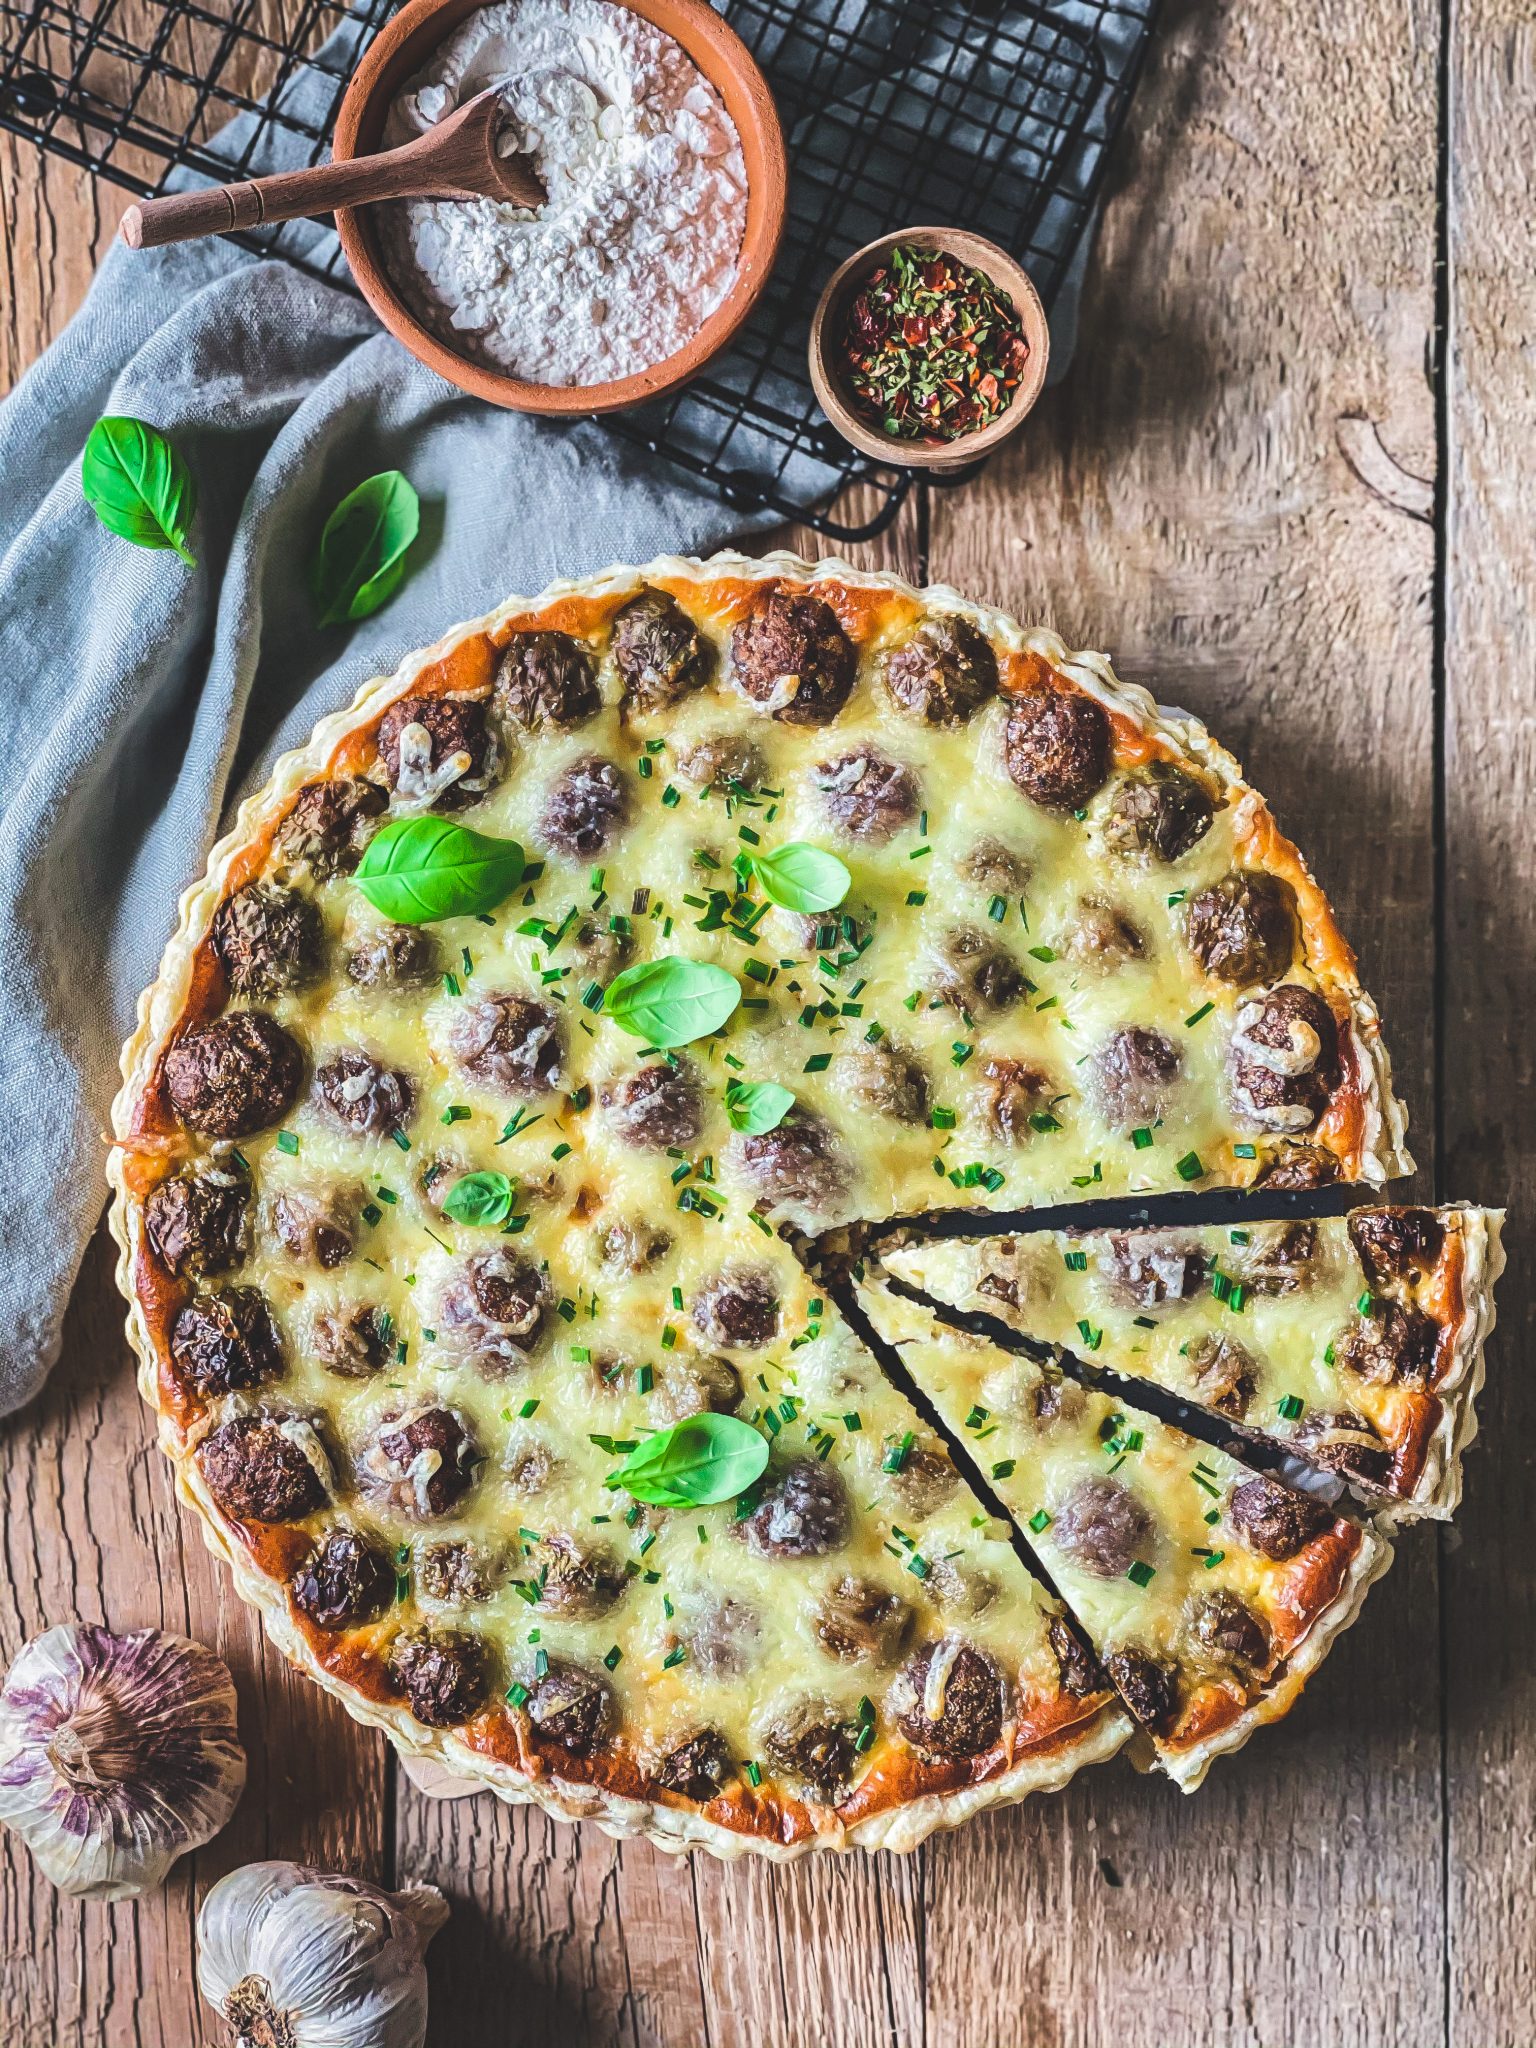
143 700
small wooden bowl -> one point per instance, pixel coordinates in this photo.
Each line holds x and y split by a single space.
403 48
827 331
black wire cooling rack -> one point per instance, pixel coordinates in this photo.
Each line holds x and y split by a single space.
997 117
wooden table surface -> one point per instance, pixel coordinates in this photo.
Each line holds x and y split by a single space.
1289 484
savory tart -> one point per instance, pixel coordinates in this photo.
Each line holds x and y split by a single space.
1208 1592
1354 1341
514 1023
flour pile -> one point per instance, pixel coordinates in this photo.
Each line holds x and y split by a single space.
639 239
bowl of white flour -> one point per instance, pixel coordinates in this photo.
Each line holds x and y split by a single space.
661 154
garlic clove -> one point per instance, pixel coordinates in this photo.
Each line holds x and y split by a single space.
317 1960
117 1755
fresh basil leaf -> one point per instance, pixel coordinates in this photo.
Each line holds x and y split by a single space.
702 1459
671 1001
417 870
483 1199
361 558
802 877
138 486
757 1106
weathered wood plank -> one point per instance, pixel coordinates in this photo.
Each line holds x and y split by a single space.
1266 266
1489 978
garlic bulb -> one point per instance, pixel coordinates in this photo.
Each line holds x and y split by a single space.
313 1960
117 1755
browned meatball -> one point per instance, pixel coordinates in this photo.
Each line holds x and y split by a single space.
1273 1520
1284 1058
1080 1673
974 975
1132 1077
600 949
1103 1527
925 1479
329 825
697 1386
345 1581
1392 1345
588 805
267 939
1229 1630
1226 1375
804 1513
443 1672
949 1701
959 1590
457 1574
1276 1259
811 1743
200 1222
419 1463
547 679
658 1106
1009 1094
1340 1441
1057 747
1243 928
1148 1270
353 1344
1149 1687
1396 1243
530 1465
719 1636
492 1311
509 1043
358 1093
1157 813
225 1341
943 674
260 1469
792 657
800 1164
631 1245
886 1080
699 1767
738 1309
726 761
235 1076
571 1707
428 733
1298 1166
659 652
1101 936
867 795
579 1584
316 1226
992 866
858 1622
394 956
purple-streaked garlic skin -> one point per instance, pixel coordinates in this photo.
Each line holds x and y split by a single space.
117 1755
315 1959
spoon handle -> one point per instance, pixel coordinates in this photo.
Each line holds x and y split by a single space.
288 195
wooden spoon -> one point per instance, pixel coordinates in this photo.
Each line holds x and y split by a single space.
456 159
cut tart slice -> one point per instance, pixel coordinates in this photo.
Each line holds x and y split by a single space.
1355 1341
1208 1592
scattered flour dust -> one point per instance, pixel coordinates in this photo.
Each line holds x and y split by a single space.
639 239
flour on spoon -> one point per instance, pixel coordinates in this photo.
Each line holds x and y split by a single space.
639 239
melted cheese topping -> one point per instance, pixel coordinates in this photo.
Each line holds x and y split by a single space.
1047 1445
1268 1316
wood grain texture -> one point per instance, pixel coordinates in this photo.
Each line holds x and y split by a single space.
1489 974
1189 500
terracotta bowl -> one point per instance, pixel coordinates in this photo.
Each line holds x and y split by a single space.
827 330
403 48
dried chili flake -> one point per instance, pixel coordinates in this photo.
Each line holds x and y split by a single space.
932 348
